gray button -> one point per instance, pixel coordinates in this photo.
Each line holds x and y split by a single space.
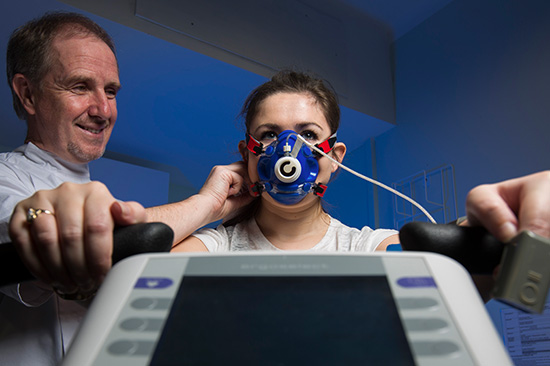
529 293
436 348
151 303
142 324
425 325
131 348
413 303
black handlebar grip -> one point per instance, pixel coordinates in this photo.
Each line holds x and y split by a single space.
151 237
477 250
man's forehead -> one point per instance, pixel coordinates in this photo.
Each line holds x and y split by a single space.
60 47
80 61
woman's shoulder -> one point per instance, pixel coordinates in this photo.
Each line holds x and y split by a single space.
364 239
340 227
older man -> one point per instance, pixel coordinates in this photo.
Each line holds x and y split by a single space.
64 78
63 74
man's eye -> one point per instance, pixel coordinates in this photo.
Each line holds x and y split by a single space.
79 88
111 93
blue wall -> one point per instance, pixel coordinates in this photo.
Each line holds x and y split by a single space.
472 89
169 101
177 113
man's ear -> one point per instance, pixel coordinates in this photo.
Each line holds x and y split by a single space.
338 153
243 150
25 92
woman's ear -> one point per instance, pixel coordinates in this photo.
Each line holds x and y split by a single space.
243 150
24 91
338 152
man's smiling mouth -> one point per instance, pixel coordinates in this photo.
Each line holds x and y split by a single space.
93 130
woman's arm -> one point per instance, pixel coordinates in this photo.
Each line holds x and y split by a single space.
190 244
224 192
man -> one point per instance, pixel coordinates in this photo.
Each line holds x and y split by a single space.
63 74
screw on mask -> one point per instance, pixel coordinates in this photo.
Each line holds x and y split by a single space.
287 168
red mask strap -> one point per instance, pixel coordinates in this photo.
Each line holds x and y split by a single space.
254 145
256 189
319 189
328 144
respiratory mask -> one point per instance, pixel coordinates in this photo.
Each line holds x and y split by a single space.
287 167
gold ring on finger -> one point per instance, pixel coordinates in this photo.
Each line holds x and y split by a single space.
33 213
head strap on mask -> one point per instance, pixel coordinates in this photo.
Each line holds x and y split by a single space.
256 147
253 145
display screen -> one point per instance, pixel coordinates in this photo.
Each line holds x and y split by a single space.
279 320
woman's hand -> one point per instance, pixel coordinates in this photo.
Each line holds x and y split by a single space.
227 189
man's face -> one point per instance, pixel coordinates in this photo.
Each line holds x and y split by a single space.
75 106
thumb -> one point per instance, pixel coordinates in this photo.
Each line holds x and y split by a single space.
127 213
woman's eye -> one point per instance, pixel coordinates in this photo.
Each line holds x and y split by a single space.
268 135
309 135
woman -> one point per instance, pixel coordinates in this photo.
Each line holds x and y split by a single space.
286 214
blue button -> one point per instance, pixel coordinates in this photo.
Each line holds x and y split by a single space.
153 282
416 282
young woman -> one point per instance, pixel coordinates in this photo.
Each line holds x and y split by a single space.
286 214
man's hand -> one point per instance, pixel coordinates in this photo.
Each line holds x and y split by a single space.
508 207
71 248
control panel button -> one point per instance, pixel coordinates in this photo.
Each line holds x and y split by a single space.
153 282
142 324
151 303
412 282
131 348
425 325
416 303
436 348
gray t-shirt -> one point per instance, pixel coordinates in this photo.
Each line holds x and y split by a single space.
246 236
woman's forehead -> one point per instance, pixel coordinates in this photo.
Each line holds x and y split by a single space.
289 109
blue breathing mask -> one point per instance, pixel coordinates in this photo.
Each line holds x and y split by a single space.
287 168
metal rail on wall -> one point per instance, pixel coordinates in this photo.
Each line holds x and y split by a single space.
433 189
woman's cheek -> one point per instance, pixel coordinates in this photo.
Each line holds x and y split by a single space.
253 168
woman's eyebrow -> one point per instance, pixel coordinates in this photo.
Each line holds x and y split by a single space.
297 126
267 126
307 124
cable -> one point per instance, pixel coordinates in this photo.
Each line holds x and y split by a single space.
382 185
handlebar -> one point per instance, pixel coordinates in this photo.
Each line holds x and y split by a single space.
477 250
127 241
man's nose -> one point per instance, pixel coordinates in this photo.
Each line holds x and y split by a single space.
100 106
